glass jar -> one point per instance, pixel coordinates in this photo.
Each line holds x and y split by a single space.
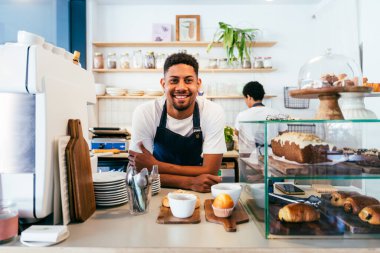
124 61
98 62
223 63
111 61
160 61
137 59
259 63
247 63
268 62
236 64
149 60
212 63
8 221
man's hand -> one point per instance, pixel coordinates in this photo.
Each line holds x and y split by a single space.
142 160
203 183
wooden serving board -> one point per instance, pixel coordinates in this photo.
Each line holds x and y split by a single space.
343 168
316 92
371 170
81 188
238 216
352 222
166 217
325 226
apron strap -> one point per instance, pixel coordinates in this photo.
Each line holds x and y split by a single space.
196 118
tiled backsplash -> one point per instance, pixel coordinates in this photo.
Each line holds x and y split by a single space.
118 112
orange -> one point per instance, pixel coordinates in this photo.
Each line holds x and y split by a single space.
224 201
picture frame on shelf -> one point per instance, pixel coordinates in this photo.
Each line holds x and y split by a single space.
188 27
161 32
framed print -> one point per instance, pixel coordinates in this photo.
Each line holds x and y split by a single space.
161 32
188 27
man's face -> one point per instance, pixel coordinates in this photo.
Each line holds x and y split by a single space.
181 87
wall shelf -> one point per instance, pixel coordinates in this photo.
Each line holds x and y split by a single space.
174 44
154 97
261 70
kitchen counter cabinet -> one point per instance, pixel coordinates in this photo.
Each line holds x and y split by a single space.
113 230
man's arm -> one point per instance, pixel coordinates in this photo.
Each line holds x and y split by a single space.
211 164
201 183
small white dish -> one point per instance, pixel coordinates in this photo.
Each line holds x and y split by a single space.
182 205
231 189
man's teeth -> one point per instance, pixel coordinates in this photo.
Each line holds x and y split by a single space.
177 96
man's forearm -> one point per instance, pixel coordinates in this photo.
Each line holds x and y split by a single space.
175 181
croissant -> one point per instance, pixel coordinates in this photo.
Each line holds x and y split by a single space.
298 212
355 204
338 197
371 214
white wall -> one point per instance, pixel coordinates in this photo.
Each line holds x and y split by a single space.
302 31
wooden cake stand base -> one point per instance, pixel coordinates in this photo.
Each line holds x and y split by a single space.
328 97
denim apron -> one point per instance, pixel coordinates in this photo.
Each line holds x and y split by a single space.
174 148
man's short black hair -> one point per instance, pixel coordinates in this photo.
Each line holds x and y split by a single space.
255 90
181 58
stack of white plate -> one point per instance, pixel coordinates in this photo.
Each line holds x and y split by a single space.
135 92
110 188
114 91
156 185
154 93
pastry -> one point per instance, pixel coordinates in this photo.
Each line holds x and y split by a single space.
165 200
355 204
298 212
371 214
339 197
301 147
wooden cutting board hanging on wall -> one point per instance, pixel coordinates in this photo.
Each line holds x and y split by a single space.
81 188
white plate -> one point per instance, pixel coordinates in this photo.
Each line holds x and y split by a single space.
44 244
114 193
110 187
107 177
112 203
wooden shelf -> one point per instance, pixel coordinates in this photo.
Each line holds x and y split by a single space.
174 44
154 97
262 70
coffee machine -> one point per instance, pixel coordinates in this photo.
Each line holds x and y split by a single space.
40 90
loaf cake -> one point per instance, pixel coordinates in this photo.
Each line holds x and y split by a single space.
371 214
301 147
298 212
339 197
355 204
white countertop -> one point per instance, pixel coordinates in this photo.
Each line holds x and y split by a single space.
115 230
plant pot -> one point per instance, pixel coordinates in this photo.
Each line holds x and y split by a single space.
230 145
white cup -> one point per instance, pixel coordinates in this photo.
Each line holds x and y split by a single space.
182 205
27 38
100 89
231 189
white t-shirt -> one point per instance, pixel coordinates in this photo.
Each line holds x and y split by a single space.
251 134
146 119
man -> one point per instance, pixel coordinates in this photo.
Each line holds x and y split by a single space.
251 134
173 132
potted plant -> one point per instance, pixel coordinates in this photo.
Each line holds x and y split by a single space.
229 137
234 39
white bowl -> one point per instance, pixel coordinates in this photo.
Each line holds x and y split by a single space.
100 89
182 205
231 189
27 38
258 193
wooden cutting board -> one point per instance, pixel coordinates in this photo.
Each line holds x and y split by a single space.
238 216
343 168
352 222
166 217
81 189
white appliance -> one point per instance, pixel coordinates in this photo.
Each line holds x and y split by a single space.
40 89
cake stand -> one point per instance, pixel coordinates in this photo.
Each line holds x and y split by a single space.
352 102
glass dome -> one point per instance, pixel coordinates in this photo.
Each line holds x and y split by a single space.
329 70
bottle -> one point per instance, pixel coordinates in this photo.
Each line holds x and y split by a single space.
137 59
268 62
149 60
212 63
8 221
76 57
124 61
259 63
98 62
246 63
111 61
223 63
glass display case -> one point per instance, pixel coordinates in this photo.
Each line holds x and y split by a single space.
311 178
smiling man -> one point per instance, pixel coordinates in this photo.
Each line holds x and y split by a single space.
174 132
